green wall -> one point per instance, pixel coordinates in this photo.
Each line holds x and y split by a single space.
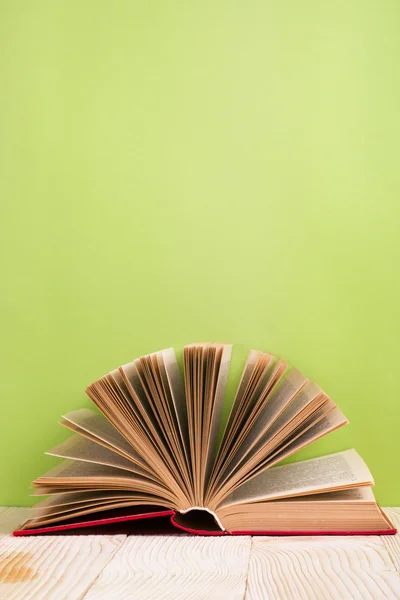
179 171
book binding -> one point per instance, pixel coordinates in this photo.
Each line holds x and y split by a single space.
172 514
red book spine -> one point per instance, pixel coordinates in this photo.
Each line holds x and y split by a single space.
171 513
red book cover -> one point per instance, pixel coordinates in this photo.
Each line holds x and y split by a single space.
158 522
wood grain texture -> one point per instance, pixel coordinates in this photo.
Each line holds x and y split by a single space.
176 568
195 568
10 518
311 568
53 568
392 542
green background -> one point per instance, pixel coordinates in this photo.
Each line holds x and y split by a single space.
181 171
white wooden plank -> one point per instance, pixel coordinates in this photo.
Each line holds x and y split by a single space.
11 518
392 542
175 568
63 567
319 568
182 567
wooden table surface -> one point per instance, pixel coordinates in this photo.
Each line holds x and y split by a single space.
196 568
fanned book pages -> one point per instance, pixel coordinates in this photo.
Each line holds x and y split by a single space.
154 454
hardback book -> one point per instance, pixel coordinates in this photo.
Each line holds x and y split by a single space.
156 450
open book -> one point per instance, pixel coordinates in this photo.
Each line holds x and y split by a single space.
156 450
